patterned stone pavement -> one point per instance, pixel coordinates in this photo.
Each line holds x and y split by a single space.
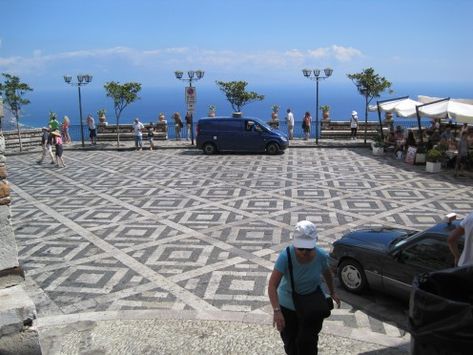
174 230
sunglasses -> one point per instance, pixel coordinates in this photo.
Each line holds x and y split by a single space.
305 250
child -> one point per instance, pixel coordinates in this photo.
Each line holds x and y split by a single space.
150 136
57 140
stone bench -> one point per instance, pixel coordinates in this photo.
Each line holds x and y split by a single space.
107 133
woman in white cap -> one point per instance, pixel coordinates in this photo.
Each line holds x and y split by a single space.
354 124
299 332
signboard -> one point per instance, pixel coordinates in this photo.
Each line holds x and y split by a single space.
190 106
190 94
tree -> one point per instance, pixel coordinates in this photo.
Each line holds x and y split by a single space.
122 95
370 85
237 95
14 91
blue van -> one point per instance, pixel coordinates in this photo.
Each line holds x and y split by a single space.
228 134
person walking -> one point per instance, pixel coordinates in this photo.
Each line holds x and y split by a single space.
307 263
53 123
177 125
137 127
150 135
306 121
354 124
46 144
65 130
465 228
290 124
92 129
188 119
57 140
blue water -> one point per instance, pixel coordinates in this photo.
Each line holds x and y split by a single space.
342 98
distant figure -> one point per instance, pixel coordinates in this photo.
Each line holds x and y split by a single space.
46 144
462 157
464 128
53 123
150 136
57 140
137 127
465 228
188 125
92 129
410 141
65 129
177 125
306 125
290 124
354 124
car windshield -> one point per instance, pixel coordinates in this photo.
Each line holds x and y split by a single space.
402 239
263 124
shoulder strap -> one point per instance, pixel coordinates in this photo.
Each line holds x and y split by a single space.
289 261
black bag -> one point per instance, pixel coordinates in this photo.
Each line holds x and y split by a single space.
313 306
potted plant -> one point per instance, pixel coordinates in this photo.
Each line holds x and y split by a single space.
433 158
377 145
101 115
325 112
420 154
212 110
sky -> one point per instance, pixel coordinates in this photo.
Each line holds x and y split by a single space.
260 41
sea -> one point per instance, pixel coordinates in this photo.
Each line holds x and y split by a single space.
342 98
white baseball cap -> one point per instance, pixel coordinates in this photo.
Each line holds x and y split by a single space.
305 235
354 113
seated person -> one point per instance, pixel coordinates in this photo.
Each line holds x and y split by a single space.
446 135
249 125
410 141
389 139
433 139
399 137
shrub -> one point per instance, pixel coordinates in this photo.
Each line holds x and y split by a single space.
433 155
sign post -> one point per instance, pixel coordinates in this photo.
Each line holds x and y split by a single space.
191 96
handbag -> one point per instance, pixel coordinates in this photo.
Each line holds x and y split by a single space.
312 306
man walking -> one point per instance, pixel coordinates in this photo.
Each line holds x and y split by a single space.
137 129
290 124
46 144
92 129
465 228
354 124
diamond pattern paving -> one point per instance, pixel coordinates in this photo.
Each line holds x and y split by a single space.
177 230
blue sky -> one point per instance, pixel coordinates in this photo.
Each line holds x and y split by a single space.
261 41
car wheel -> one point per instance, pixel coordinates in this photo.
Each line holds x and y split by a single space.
209 148
272 148
352 276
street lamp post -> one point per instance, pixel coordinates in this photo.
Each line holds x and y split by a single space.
82 79
307 73
190 94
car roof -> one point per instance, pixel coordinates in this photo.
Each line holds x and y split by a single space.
226 118
444 228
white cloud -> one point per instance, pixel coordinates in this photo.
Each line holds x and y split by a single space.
172 58
345 54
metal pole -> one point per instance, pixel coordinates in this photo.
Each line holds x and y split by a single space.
366 116
80 114
192 119
379 118
317 111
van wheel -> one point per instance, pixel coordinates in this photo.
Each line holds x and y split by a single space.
209 148
272 148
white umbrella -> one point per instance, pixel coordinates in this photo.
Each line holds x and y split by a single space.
404 107
453 108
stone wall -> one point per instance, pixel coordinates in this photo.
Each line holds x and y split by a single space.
17 310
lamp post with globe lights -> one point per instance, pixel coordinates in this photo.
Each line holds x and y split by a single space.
190 93
82 79
317 77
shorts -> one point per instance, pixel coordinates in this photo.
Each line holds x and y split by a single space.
93 133
59 150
